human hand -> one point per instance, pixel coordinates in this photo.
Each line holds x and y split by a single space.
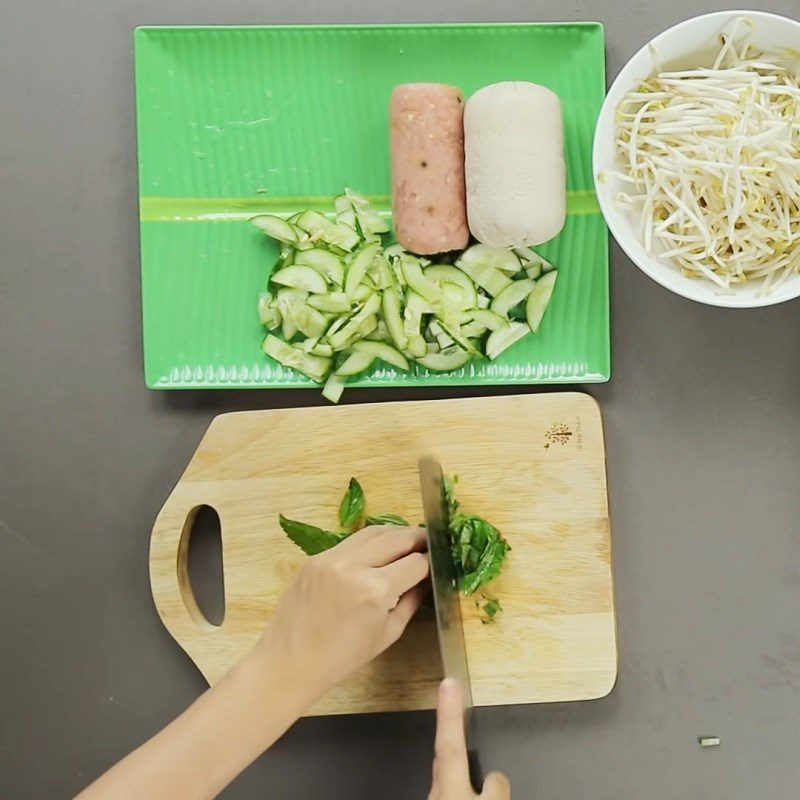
347 605
450 764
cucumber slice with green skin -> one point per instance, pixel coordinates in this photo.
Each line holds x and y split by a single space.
333 303
393 250
511 296
483 301
344 211
390 305
320 227
268 311
534 271
482 256
339 339
445 360
356 362
416 306
309 321
487 277
472 330
322 349
381 333
300 277
384 352
447 273
315 367
369 220
458 337
364 329
358 267
502 339
362 292
276 227
380 273
333 388
487 319
539 298
328 264
416 280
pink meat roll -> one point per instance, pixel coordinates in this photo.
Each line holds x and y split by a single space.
426 123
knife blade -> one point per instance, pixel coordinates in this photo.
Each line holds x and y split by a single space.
444 581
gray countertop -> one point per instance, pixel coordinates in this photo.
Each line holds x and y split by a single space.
703 429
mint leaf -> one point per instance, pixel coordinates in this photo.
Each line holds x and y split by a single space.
386 519
352 505
309 538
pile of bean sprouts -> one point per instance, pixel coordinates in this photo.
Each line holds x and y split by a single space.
712 157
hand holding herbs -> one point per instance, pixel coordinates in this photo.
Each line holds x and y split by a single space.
347 605
341 301
478 548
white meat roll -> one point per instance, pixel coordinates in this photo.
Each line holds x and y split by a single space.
514 164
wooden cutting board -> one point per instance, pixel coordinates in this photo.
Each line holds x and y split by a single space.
533 465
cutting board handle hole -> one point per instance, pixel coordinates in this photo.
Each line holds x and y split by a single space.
200 568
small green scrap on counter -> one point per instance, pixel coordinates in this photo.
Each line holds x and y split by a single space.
478 548
340 300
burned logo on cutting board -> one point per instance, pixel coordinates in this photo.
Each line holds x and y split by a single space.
560 434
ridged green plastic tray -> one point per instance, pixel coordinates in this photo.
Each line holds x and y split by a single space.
233 121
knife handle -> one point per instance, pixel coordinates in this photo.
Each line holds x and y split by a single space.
475 771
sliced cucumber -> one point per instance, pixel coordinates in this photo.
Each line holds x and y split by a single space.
482 256
416 306
487 277
338 340
358 267
383 352
300 277
347 294
333 388
487 319
320 227
322 349
394 250
511 296
472 330
325 262
381 333
276 227
415 278
445 361
356 362
503 338
344 211
458 337
369 220
534 270
333 303
390 305
268 311
539 298
315 367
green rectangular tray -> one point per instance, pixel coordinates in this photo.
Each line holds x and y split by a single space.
233 121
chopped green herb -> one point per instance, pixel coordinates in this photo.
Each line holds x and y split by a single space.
491 607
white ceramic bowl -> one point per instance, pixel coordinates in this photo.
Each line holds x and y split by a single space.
698 37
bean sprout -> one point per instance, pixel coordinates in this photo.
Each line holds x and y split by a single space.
711 161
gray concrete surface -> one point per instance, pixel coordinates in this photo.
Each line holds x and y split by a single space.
703 424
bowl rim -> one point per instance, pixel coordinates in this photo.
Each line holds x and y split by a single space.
622 237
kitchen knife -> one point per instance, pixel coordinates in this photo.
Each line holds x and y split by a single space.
444 580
